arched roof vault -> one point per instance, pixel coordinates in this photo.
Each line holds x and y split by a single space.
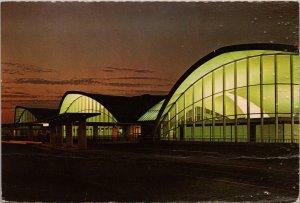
32 114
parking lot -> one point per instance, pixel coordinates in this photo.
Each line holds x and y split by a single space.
147 172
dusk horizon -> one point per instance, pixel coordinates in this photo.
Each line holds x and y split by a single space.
123 49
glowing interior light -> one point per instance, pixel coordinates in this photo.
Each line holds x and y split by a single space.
242 104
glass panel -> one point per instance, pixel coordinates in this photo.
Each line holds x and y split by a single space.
283 69
188 133
172 111
208 85
296 99
241 100
229 99
173 123
177 131
198 132
280 133
207 132
272 132
180 103
284 99
189 115
219 133
218 99
229 75
208 107
268 69
254 71
296 130
241 73
242 133
269 98
218 76
296 69
254 100
198 111
287 133
269 132
181 118
229 133
189 96
198 90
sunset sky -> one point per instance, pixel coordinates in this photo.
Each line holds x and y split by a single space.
122 48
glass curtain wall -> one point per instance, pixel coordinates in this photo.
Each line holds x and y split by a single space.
254 99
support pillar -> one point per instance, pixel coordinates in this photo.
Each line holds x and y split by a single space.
95 132
52 135
69 137
127 134
59 135
82 134
30 133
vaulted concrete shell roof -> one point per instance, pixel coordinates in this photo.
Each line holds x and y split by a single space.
36 114
124 109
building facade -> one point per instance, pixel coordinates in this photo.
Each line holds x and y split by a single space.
244 93
118 115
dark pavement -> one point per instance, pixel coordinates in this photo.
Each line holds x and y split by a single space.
144 172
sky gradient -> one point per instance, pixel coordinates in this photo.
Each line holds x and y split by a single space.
122 48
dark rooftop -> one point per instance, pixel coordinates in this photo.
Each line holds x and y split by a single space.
41 113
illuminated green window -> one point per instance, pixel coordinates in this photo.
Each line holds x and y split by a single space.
268 64
296 69
208 85
229 74
218 76
189 115
189 96
254 101
283 69
284 99
269 99
180 103
218 99
208 107
173 111
242 101
198 111
229 100
296 99
241 73
254 71
198 90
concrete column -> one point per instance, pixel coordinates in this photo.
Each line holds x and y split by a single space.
59 135
12 132
127 134
69 137
30 133
95 132
52 135
82 134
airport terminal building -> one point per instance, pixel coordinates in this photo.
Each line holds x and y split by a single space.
242 93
